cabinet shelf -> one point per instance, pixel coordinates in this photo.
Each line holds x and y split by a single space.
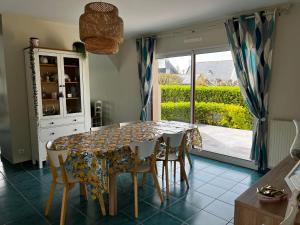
48 65
75 98
50 82
71 66
50 99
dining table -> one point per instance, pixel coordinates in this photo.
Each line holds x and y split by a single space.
97 157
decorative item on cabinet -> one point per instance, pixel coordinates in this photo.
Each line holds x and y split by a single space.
35 42
80 48
62 107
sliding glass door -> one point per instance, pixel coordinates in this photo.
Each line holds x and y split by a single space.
202 88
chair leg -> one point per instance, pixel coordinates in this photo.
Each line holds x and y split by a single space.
102 205
163 170
155 180
184 173
174 171
167 179
143 180
50 198
132 178
64 205
135 188
189 158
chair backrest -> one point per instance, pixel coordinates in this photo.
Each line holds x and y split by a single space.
102 127
53 155
175 139
145 148
127 123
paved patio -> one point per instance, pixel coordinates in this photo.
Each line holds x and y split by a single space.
226 141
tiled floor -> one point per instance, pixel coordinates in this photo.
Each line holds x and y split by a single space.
209 201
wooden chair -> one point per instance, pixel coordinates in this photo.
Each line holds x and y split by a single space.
174 152
116 125
56 160
144 162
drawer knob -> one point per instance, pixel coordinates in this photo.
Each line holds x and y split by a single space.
75 129
52 133
52 123
75 120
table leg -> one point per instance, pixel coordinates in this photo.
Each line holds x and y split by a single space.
113 194
83 191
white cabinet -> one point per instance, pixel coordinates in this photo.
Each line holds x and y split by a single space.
62 103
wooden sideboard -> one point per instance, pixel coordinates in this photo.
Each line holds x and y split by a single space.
250 211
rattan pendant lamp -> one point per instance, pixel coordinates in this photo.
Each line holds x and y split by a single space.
101 28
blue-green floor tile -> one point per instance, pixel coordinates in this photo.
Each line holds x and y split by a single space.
182 210
221 209
205 218
162 219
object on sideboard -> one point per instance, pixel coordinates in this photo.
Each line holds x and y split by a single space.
270 194
295 148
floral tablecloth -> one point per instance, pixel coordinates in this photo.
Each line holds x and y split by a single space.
92 153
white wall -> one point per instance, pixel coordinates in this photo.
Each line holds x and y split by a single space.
285 80
208 37
116 83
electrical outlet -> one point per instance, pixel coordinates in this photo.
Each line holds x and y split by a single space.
21 151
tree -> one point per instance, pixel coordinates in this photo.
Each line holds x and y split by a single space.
165 78
201 80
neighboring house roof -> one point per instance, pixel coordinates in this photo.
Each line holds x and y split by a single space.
165 66
213 70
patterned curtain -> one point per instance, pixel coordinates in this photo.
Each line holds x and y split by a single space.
145 49
250 40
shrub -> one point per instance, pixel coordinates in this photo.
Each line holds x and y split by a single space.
220 94
220 114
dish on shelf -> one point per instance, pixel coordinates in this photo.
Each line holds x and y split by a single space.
270 194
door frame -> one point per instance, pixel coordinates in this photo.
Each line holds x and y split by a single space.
205 153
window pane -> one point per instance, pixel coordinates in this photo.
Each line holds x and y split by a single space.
175 88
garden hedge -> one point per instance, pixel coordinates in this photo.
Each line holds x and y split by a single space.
220 114
220 94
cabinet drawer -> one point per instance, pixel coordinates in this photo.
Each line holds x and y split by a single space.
50 134
74 120
61 121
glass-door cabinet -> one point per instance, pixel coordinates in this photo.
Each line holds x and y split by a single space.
72 85
60 85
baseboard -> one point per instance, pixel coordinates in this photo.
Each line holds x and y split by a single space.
225 158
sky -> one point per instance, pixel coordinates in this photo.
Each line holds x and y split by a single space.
183 62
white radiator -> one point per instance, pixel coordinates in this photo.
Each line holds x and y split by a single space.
281 136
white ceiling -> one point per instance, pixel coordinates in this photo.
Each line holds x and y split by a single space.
140 16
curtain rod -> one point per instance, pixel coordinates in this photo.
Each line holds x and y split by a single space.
266 12
280 9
